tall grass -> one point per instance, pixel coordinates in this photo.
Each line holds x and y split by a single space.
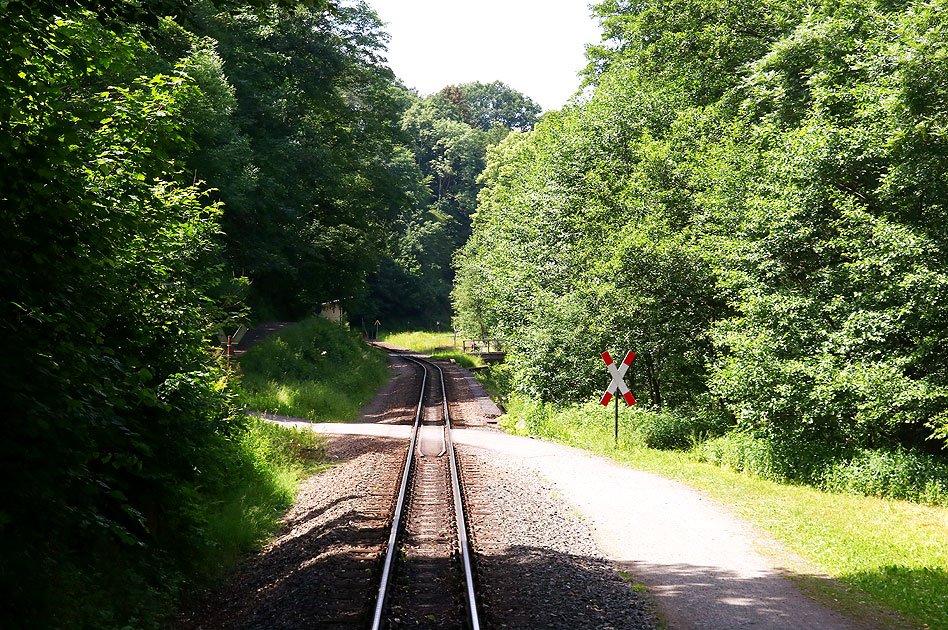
245 506
317 370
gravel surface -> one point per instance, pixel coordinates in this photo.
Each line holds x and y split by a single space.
396 401
536 562
321 570
705 568
540 563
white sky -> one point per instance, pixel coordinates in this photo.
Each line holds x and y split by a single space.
534 46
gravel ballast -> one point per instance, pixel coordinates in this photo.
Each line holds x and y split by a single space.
320 572
536 562
550 527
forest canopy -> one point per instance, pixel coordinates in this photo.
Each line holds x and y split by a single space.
173 169
752 198
166 164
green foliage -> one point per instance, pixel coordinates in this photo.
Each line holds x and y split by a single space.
498 380
488 106
676 430
122 435
891 555
448 133
316 370
245 506
700 45
107 264
780 462
297 139
753 200
901 474
638 427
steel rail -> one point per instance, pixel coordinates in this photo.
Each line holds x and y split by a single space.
463 545
399 505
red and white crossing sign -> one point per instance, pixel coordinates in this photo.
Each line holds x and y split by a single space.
618 373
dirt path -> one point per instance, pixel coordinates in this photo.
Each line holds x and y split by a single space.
705 567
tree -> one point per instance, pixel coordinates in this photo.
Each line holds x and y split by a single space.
319 115
109 257
448 144
756 199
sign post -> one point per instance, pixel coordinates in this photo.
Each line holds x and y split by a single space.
377 324
616 439
618 384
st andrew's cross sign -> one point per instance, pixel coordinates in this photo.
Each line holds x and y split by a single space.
618 384
618 374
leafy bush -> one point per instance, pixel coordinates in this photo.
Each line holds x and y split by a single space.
498 380
638 427
742 452
901 474
800 462
667 430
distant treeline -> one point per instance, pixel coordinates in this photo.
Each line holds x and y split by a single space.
753 197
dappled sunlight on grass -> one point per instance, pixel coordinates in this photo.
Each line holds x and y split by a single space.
283 394
316 370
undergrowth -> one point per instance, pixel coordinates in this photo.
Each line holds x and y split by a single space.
317 370
245 506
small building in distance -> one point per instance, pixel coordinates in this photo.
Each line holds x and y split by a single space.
332 311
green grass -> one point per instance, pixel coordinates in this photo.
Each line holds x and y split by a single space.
420 341
437 345
316 370
261 482
890 555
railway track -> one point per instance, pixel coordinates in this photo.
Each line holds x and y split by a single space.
427 576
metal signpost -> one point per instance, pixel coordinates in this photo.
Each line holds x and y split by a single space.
377 324
232 340
618 383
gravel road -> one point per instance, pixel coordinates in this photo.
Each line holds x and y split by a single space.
705 568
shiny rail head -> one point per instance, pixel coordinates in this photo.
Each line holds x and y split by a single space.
463 543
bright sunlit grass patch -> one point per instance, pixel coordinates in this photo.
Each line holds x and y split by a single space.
437 345
316 370
890 554
246 509
420 341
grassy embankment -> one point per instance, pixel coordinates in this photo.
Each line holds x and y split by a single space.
886 554
315 370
